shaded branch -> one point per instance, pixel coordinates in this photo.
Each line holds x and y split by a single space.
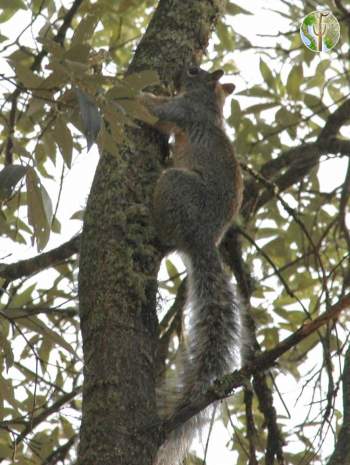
275 442
224 387
59 454
326 142
341 453
261 388
15 313
300 161
40 262
251 428
295 163
37 419
61 33
334 122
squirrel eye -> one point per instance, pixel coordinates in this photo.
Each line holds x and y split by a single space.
193 71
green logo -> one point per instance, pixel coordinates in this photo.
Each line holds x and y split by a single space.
320 31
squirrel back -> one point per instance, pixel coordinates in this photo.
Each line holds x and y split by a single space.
195 202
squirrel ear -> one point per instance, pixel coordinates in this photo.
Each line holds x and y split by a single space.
216 75
228 88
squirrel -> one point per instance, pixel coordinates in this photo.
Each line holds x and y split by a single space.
194 203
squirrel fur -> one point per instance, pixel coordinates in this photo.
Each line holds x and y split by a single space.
195 202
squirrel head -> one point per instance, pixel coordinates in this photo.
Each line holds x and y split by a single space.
197 79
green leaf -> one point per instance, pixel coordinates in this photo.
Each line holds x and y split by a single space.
235 117
173 273
314 81
135 110
21 299
85 29
225 36
260 107
6 445
78 215
267 74
107 142
10 175
44 353
267 232
6 348
257 91
26 77
276 249
64 140
12 4
323 66
316 105
39 208
34 324
271 337
309 343
335 93
236 10
287 119
67 427
295 78
78 54
139 81
121 91
7 391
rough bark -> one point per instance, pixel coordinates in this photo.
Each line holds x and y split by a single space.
119 262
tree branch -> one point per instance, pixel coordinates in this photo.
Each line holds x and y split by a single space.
44 414
224 387
40 262
262 390
341 453
59 454
334 122
299 160
61 33
305 158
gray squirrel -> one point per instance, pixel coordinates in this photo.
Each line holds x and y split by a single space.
194 203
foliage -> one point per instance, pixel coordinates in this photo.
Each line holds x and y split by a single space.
65 89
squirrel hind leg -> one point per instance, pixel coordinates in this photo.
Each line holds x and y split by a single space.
180 210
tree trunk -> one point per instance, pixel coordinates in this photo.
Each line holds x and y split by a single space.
119 262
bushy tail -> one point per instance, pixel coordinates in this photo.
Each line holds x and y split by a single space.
211 349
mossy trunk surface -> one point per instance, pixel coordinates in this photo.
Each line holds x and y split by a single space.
119 261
